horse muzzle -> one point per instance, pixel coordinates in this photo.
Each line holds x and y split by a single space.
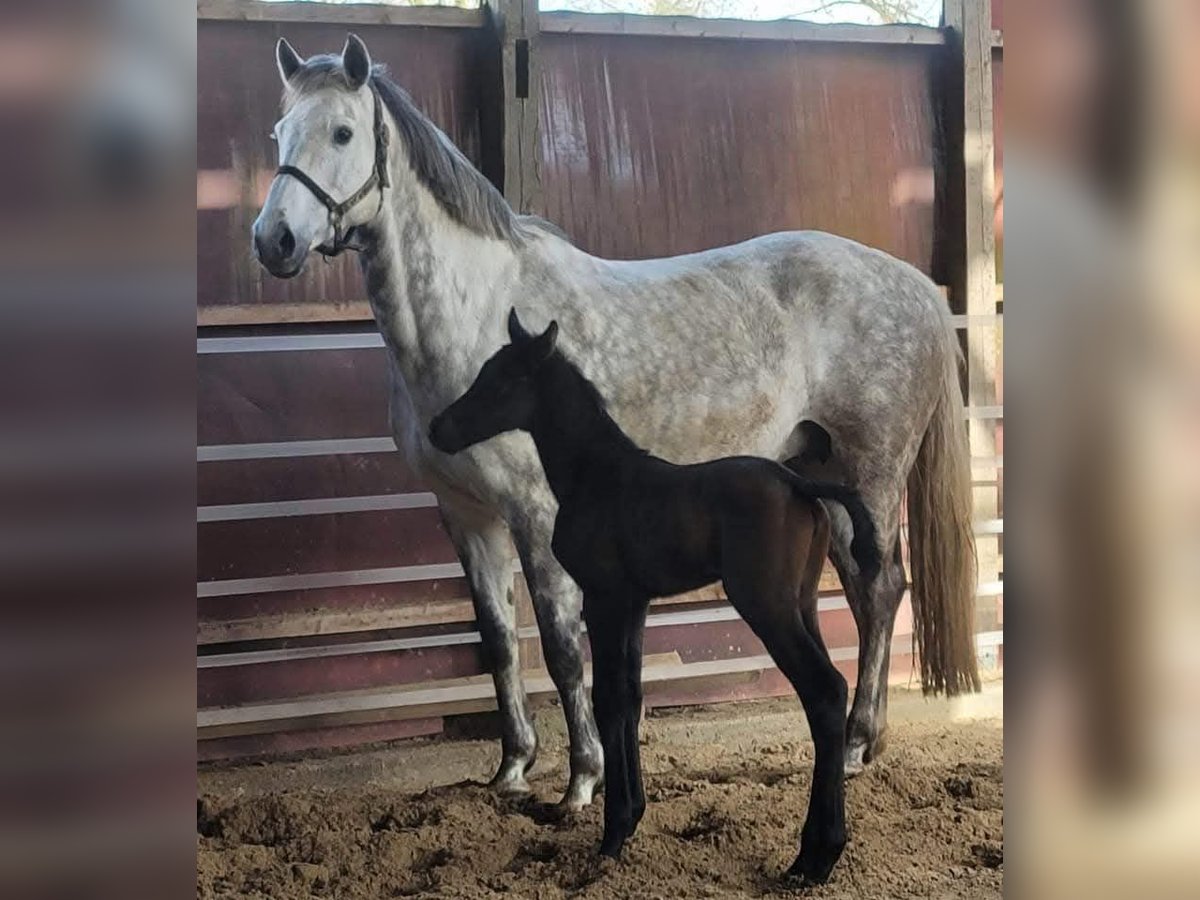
445 435
276 247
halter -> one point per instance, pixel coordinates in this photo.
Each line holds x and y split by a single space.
379 179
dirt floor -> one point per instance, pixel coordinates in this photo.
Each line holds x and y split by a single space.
727 788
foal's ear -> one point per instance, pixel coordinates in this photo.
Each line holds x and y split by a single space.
356 61
516 331
287 59
544 344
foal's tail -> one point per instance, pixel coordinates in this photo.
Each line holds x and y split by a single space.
865 545
942 544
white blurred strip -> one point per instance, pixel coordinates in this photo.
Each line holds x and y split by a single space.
234 512
318 580
276 343
290 449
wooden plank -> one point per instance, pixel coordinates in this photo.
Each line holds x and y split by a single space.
339 14
282 313
335 621
456 696
779 30
521 77
306 741
972 20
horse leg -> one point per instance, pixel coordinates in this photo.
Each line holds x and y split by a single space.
557 603
874 606
486 555
608 623
771 577
633 710
823 693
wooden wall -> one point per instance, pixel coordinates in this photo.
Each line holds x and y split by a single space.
331 609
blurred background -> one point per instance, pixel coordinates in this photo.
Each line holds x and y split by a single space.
97 438
97 293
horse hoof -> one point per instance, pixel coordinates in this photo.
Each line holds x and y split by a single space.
510 780
817 858
855 762
611 847
579 793
877 748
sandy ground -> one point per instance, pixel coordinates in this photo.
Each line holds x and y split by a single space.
727 788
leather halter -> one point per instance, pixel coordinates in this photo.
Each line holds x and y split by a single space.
337 211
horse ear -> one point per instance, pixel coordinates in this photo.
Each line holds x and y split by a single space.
544 343
516 331
287 59
356 61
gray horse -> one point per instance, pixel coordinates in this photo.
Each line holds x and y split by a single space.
749 349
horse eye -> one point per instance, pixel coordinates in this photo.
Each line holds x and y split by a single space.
342 135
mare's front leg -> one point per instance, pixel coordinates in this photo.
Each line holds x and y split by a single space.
485 551
609 624
557 603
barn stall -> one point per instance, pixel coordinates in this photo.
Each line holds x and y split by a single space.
331 610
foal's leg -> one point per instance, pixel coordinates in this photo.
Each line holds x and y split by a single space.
823 693
486 554
557 602
771 578
609 624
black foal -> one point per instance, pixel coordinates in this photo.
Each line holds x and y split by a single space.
631 527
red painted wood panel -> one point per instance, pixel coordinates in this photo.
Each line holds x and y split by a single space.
291 396
657 146
304 478
362 598
236 685
252 745
303 544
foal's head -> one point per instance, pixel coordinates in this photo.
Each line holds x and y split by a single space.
504 396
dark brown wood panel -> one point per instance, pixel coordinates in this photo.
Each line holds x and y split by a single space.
236 685
366 607
657 146
292 545
238 103
304 478
308 739
291 396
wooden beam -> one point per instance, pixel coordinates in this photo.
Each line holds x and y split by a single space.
339 14
971 20
516 22
335 621
282 313
455 696
780 30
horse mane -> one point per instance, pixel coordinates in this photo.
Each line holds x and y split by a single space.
457 186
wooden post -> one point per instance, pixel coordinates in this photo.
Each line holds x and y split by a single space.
529 648
976 269
517 25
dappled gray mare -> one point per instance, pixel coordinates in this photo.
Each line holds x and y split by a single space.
731 351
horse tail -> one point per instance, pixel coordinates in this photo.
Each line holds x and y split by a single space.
864 546
941 542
